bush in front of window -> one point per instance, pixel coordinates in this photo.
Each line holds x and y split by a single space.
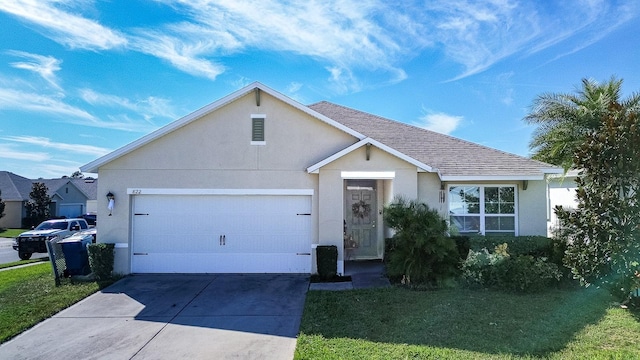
422 253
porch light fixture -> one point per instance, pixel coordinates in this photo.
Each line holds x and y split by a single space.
112 200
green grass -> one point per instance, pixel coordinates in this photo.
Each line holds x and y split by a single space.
397 323
22 262
11 233
28 295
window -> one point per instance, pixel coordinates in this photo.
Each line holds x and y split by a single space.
485 209
257 129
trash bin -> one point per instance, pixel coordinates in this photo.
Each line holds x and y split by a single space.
75 253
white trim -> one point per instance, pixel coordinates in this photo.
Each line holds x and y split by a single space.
258 143
314 169
93 166
173 191
492 177
121 245
258 116
381 175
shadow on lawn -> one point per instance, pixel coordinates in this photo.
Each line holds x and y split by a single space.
483 321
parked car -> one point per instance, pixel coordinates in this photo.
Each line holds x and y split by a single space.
91 218
34 241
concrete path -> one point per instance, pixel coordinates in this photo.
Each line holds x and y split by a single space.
174 317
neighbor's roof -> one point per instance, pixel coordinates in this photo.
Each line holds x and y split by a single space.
14 187
455 159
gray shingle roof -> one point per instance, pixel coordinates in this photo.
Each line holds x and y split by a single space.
450 155
14 187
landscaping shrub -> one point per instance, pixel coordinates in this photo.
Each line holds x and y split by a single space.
327 257
101 258
421 251
536 246
527 274
463 244
502 270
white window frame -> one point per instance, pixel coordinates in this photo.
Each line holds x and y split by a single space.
264 118
482 213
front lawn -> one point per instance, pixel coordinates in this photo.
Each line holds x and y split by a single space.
11 233
28 295
396 323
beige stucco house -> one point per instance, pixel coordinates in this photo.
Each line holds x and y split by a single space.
254 181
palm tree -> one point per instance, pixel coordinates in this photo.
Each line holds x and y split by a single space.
564 120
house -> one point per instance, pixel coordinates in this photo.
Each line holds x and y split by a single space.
254 181
562 192
69 197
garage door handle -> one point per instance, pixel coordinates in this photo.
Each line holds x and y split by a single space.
135 253
140 214
303 253
307 214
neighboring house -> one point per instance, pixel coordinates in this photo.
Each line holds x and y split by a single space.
69 197
562 192
254 181
14 191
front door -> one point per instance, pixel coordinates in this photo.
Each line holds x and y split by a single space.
361 214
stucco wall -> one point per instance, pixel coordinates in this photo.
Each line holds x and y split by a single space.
532 208
215 152
12 215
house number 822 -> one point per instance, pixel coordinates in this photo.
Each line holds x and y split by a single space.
136 192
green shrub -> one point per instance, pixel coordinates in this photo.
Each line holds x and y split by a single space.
478 269
101 258
526 274
420 250
463 244
536 246
327 257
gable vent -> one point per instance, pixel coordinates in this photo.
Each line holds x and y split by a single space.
257 129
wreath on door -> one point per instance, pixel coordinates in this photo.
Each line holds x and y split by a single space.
360 209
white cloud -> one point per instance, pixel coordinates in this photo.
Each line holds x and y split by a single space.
47 143
45 66
440 122
9 152
29 101
62 26
148 108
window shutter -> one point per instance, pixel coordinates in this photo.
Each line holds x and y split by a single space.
257 131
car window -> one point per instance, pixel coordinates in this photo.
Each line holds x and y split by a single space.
83 225
60 225
45 226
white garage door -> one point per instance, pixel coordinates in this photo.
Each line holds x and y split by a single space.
221 234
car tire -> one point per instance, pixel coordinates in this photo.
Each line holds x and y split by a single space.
24 255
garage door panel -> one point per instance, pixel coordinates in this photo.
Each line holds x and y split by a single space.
182 233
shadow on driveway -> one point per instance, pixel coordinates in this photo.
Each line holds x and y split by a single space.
175 316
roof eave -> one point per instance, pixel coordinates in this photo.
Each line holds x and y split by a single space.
421 167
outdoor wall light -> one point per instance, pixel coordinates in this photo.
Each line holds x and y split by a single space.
112 200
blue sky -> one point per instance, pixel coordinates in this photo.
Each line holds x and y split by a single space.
81 78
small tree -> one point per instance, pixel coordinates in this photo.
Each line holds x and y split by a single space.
77 175
421 251
38 207
603 233
2 206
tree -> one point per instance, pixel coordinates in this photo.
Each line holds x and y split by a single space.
565 120
38 206
2 206
603 233
77 175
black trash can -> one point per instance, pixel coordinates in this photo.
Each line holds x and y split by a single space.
75 253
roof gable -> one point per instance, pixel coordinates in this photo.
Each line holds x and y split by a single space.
14 187
257 87
454 159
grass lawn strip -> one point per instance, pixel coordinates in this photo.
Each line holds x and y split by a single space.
28 295
22 262
11 233
465 324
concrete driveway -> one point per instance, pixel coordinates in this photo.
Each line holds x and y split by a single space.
233 316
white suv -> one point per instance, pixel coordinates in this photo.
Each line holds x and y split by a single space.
34 241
